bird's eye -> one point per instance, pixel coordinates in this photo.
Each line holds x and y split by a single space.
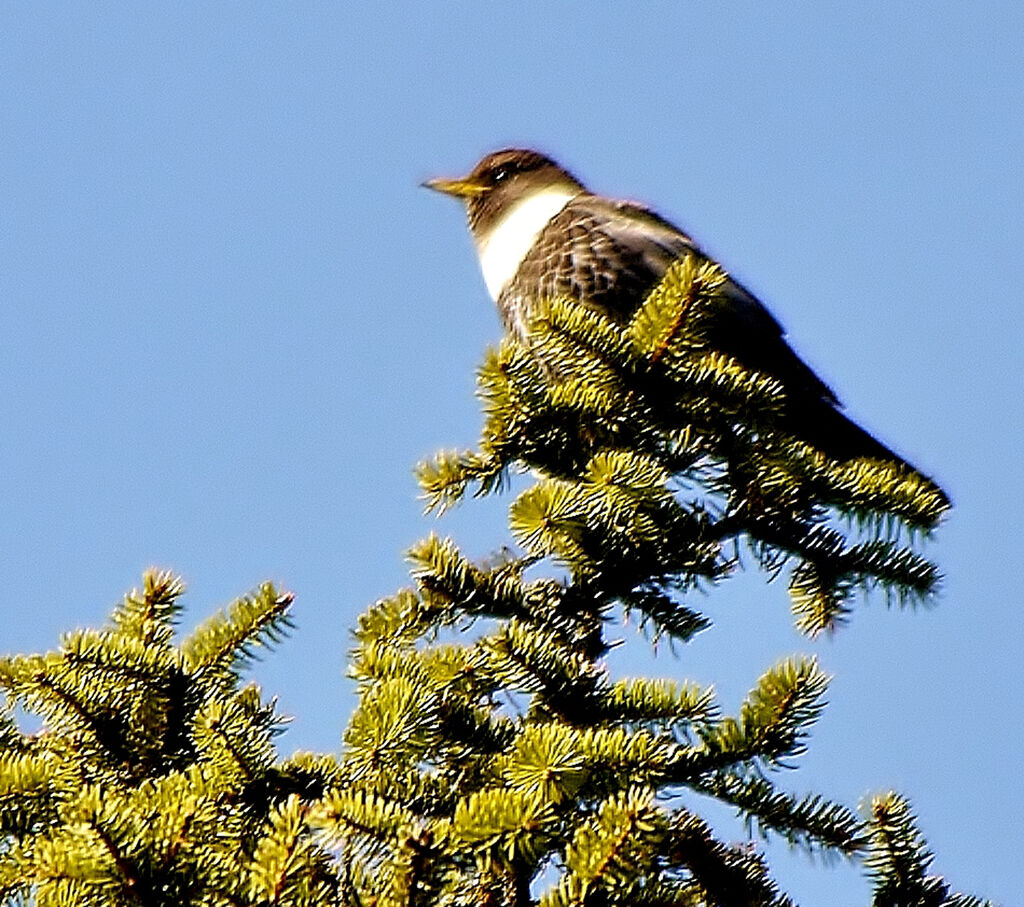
500 174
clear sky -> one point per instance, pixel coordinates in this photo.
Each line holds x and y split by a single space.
231 322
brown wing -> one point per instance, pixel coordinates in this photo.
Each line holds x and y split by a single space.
600 253
609 254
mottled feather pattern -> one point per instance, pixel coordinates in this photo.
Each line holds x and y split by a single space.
610 254
579 255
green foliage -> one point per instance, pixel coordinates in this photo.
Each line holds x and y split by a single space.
516 752
524 772
656 451
493 759
154 779
899 860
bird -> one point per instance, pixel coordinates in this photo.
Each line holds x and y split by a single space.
540 233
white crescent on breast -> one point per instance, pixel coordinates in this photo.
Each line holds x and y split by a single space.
502 251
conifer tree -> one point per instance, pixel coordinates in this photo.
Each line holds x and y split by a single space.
493 759
505 766
154 779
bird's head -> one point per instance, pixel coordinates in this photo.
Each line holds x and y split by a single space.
502 180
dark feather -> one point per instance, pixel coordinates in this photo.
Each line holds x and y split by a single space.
609 254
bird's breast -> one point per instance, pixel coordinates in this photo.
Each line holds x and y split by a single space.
502 251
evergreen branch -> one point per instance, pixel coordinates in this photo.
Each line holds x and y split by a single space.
716 393
545 759
774 718
510 825
821 586
453 682
810 822
11 739
547 521
72 711
14 885
394 723
113 658
572 340
898 859
277 859
641 700
307 775
617 846
216 724
228 640
379 659
556 759
127 873
674 313
908 574
236 734
445 477
113 690
666 893
667 614
470 728
583 398
384 835
148 616
615 538
442 572
29 790
726 875
517 421
395 622
618 758
870 489
819 602
179 841
564 679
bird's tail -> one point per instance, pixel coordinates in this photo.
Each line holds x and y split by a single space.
839 437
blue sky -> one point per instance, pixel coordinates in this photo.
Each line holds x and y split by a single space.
232 323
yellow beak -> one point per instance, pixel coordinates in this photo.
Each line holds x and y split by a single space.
460 188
